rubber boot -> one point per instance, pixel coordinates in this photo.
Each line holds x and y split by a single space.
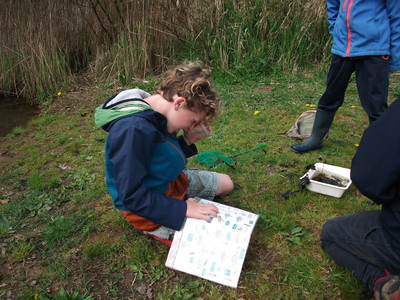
322 123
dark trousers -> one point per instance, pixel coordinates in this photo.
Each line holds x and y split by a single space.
358 243
372 79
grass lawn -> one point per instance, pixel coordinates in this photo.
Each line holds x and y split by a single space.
61 237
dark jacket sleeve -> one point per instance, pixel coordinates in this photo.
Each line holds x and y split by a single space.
188 150
375 168
130 154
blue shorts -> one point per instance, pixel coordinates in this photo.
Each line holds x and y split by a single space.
202 184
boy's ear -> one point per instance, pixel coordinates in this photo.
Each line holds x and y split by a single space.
179 102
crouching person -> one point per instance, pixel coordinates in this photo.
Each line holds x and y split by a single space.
145 159
368 243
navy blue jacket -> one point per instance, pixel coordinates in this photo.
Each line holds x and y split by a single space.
375 169
141 159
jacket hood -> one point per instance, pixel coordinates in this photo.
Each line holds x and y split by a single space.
118 106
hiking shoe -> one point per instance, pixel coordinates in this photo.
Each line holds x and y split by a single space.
387 287
162 234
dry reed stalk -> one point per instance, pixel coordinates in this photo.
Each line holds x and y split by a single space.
127 39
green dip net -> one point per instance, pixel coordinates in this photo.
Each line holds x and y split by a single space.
213 158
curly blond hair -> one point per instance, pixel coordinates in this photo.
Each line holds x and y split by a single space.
191 80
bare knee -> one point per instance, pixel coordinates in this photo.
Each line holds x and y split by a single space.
225 185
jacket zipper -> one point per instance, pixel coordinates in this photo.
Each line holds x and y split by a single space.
350 5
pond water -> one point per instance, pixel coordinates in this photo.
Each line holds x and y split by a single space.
15 113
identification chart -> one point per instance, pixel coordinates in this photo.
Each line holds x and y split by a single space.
214 251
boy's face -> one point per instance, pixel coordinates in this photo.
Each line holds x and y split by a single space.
183 118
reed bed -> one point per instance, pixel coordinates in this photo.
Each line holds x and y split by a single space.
46 44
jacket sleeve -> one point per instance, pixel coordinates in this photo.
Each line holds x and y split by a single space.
130 154
393 9
375 168
333 11
188 150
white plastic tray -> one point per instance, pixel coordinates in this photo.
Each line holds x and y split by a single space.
328 170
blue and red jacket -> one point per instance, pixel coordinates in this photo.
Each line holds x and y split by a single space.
365 28
142 158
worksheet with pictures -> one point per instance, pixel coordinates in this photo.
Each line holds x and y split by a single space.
214 251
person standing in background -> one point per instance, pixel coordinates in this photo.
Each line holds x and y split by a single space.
365 41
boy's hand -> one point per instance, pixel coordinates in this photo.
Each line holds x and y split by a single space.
202 211
196 134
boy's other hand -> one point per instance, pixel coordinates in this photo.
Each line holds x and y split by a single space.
197 133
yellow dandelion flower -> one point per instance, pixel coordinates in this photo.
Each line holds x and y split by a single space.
36 296
307 104
294 103
59 94
354 106
356 145
256 112
313 105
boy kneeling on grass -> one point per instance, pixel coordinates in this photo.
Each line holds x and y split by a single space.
145 159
